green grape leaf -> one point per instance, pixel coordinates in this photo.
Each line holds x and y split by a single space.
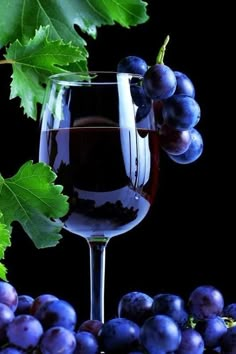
36 56
33 62
32 199
3 272
5 241
124 12
20 18
95 13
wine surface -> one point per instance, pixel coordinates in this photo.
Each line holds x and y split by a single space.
110 175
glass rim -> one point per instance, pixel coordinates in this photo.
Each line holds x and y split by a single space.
82 77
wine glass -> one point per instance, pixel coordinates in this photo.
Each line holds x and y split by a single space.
98 135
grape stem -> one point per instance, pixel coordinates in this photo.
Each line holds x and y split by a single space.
6 61
161 53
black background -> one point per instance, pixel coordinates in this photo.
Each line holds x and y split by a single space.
185 240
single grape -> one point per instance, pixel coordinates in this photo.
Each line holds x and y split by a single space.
86 343
193 152
132 64
181 112
172 306
40 300
138 95
141 100
8 295
211 330
230 311
119 335
174 142
184 85
57 340
160 333
205 302
24 304
135 306
24 331
92 326
159 81
191 342
57 313
142 113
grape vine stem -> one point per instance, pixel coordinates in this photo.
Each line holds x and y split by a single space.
7 61
161 53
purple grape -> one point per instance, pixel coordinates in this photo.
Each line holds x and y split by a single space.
6 316
57 313
86 343
170 305
132 64
141 100
135 306
24 331
211 330
40 300
119 335
24 304
174 142
230 311
159 82
92 326
205 302
181 112
138 95
8 295
228 341
193 152
57 340
184 85
142 113
160 334
191 342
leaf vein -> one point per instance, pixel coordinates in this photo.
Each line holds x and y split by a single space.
29 191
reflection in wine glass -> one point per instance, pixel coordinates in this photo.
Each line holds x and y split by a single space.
105 159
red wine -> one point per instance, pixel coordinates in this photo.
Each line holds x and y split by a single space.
109 174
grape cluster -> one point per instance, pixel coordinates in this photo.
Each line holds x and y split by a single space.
162 324
172 95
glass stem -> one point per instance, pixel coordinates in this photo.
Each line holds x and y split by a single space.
97 250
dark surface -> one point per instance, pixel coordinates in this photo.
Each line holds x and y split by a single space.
185 240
